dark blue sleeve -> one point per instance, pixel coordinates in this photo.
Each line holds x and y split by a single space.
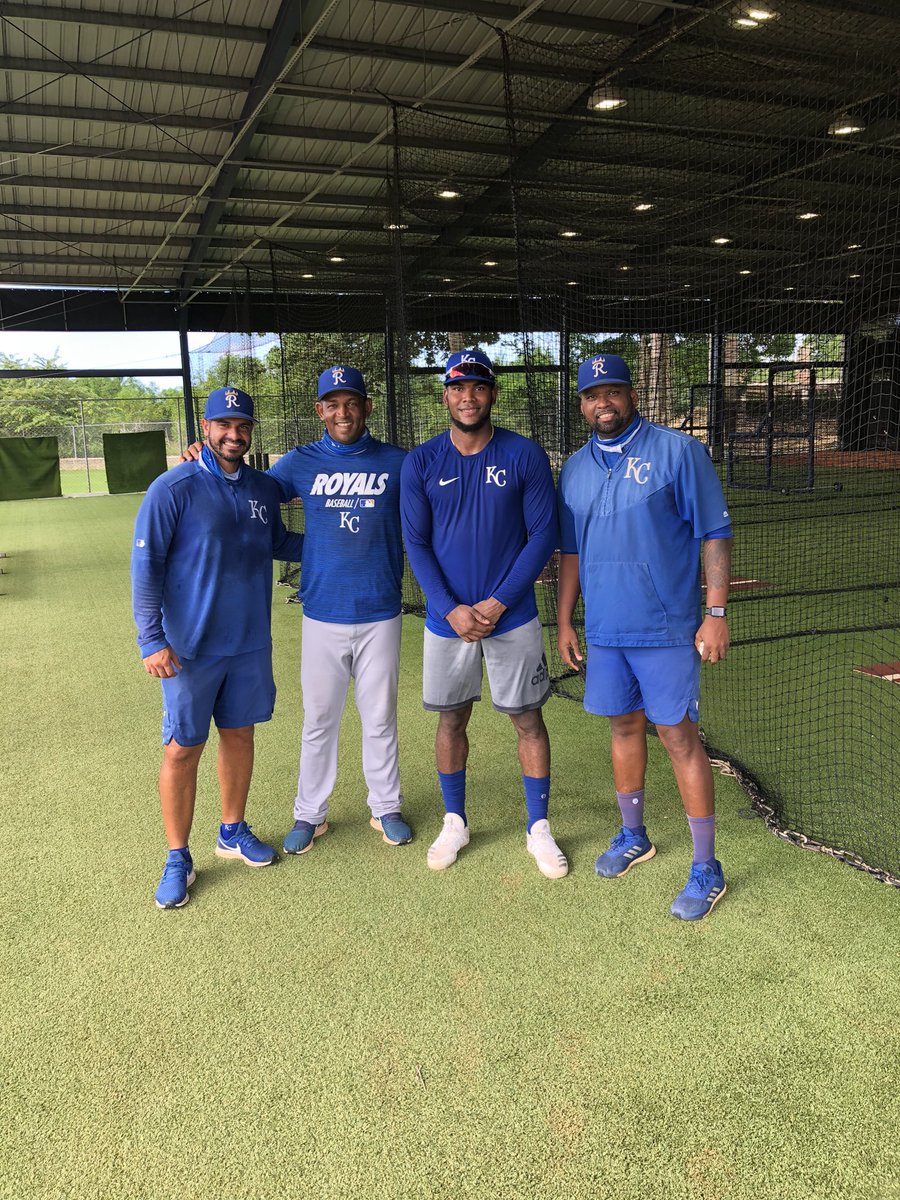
153 533
568 539
539 512
416 518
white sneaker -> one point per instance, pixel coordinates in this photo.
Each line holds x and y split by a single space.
550 859
443 850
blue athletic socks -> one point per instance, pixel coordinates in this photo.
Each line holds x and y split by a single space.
537 797
453 791
229 830
703 832
631 806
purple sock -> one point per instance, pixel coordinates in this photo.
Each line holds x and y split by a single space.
631 806
703 831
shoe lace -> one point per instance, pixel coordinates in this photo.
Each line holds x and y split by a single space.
621 839
699 880
245 836
173 868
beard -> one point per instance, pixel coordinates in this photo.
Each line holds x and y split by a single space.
611 429
473 426
228 453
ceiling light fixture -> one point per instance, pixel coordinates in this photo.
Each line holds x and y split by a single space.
393 226
744 272
624 267
335 258
808 216
761 14
307 276
489 262
745 23
569 233
572 283
854 246
856 275
643 206
447 194
721 241
844 125
604 99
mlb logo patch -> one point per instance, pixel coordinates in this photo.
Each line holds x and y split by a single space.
368 504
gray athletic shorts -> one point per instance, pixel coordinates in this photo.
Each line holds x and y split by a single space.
516 667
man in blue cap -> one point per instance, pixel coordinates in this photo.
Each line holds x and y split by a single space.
635 504
350 586
479 519
201 569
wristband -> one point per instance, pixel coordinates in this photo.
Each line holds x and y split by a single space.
716 611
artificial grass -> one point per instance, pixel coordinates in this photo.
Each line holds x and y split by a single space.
349 1024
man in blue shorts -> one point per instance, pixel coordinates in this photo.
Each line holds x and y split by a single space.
350 587
635 504
479 521
201 570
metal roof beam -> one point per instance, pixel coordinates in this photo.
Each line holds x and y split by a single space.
134 20
126 73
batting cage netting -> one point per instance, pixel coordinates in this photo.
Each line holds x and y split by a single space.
755 313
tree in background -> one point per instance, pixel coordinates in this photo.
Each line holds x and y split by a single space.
35 406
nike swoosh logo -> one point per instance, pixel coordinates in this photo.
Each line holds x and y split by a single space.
444 482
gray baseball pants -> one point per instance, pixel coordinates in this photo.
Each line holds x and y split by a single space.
332 655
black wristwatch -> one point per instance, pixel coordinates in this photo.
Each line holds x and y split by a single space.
716 611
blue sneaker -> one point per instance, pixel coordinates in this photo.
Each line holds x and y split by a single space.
245 845
300 838
177 877
705 888
393 828
628 848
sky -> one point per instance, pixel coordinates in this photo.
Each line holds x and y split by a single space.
128 352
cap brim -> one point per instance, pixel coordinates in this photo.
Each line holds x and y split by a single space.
599 383
344 387
469 379
219 416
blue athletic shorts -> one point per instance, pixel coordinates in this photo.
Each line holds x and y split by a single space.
233 690
662 680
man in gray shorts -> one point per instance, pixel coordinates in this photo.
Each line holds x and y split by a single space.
479 521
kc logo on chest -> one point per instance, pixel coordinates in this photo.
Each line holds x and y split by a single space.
258 510
495 475
637 470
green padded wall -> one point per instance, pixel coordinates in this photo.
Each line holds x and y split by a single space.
133 460
29 468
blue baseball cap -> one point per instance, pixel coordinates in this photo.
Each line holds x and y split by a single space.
342 379
228 401
469 364
603 368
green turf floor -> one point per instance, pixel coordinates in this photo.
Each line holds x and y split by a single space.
349 1024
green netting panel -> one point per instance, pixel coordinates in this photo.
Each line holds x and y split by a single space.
29 468
133 460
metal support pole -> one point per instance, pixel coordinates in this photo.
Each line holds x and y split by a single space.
390 383
565 381
715 415
811 429
770 425
190 428
84 445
